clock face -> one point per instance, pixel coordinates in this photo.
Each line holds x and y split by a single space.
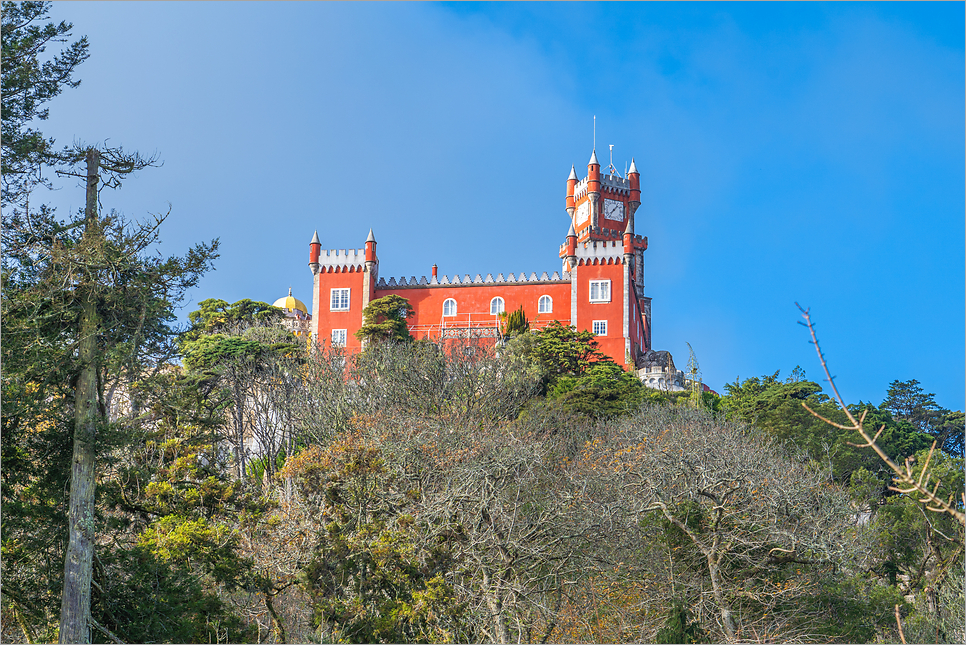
583 212
614 210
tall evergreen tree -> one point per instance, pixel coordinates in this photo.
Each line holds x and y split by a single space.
29 82
99 308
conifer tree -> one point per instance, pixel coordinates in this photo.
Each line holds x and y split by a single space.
385 319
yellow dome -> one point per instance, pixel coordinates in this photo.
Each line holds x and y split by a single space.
288 302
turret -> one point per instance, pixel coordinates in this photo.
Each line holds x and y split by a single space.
315 249
628 242
571 247
370 249
635 178
571 184
593 187
593 174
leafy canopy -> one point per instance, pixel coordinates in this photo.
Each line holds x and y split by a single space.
384 319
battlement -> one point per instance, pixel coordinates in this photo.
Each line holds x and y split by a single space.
444 281
342 257
615 243
616 183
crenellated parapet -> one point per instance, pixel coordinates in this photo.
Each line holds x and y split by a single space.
467 280
341 261
613 248
616 185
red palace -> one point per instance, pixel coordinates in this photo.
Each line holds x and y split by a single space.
600 287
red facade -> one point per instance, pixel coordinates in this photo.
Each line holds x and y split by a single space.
600 287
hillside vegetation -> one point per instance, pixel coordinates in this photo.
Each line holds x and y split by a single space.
416 494
228 482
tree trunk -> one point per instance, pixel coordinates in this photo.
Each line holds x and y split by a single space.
75 610
495 607
727 618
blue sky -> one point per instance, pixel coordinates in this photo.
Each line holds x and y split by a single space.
789 152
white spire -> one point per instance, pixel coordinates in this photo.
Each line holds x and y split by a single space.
593 158
315 239
371 238
571 232
633 167
573 173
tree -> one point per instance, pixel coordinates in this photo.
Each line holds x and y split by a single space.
385 319
750 531
513 323
240 347
373 577
775 406
604 390
562 350
29 82
175 521
216 316
907 401
97 306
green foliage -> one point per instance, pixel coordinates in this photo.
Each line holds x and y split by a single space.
563 351
145 599
30 80
852 609
776 407
175 515
513 323
679 628
384 319
907 401
603 390
373 578
216 316
209 352
256 467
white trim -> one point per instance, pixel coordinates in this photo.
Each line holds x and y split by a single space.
600 284
599 328
339 337
499 306
454 309
540 302
343 300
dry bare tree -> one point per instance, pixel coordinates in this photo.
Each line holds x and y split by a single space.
758 526
906 482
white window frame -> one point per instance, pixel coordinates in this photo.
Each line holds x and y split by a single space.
339 337
340 302
541 309
500 308
600 286
599 328
454 307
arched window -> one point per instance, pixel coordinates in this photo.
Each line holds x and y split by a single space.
545 305
497 306
449 307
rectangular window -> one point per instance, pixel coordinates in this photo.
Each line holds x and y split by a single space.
340 300
600 290
600 328
338 337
